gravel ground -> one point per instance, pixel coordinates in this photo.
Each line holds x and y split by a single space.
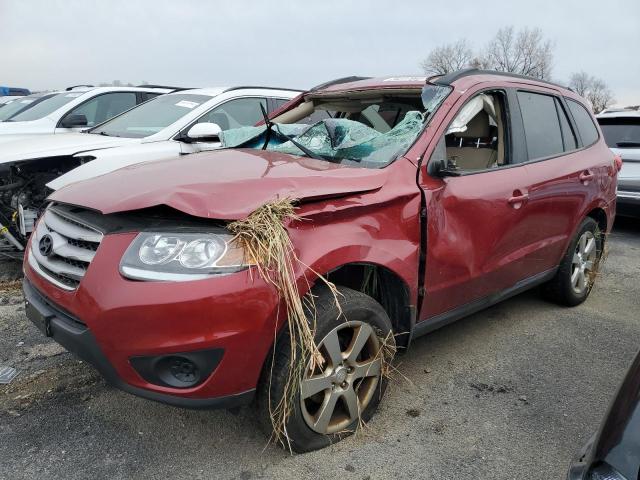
509 393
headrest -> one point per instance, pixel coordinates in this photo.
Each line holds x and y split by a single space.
478 127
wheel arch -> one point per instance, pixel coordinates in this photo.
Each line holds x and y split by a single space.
385 286
600 216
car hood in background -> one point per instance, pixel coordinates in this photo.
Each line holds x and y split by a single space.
110 159
226 184
26 147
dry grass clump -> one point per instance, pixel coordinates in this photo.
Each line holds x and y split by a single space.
268 246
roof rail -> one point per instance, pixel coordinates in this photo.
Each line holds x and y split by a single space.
78 86
449 78
174 89
240 87
338 81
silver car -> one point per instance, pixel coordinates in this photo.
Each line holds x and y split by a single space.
621 129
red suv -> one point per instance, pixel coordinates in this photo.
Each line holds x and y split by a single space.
423 200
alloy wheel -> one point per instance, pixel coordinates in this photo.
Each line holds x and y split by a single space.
583 263
334 396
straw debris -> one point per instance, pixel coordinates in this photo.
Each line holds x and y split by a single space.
267 246
269 249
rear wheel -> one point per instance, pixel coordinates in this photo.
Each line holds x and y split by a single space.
573 281
334 398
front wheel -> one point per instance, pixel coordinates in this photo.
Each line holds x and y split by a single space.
333 399
577 271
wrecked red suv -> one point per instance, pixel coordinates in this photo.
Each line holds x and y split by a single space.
422 200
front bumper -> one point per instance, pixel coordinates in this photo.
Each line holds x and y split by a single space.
112 322
76 338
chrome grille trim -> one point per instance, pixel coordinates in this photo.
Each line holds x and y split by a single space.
74 247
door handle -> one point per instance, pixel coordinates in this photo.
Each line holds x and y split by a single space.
518 199
586 176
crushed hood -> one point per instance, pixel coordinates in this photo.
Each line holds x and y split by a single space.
29 147
225 184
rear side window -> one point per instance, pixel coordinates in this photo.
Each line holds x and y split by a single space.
568 137
541 125
619 132
584 122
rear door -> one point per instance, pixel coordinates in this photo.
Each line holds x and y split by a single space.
564 175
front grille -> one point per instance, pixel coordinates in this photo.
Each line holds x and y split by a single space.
73 247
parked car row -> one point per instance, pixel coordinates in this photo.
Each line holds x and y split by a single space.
424 200
178 123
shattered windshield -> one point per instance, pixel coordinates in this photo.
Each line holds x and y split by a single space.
370 131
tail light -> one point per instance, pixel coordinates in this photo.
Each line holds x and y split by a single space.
617 160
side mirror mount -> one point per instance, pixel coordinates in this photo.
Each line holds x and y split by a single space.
203 132
438 165
74 120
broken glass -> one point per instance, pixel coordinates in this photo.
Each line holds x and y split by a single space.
335 139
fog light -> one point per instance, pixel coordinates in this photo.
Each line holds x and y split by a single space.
178 370
181 369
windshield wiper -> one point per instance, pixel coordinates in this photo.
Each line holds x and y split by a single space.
269 124
104 134
628 144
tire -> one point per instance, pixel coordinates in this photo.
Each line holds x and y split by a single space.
361 315
562 289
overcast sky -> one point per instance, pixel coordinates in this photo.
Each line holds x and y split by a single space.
47 44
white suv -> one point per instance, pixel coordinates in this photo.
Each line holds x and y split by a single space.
621 129
77 108
166 127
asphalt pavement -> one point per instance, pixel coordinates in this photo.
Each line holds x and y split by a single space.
509 393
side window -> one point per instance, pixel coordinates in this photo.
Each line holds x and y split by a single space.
104 107
276 103
541 125
241 112
475 139
584 122
568 137
148 96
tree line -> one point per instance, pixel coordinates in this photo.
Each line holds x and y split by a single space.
525 52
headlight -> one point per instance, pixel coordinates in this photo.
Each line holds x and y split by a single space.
181 256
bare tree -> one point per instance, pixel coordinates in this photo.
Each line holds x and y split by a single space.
525 52
448 58
580 83
593 89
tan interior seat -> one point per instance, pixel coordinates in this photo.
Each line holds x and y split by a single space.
473 157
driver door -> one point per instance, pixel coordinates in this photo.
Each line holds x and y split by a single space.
475 209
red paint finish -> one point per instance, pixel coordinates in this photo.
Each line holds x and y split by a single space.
482 234
244 178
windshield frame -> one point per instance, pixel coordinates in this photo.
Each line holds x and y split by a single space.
384 91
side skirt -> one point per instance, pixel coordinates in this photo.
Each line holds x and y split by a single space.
429 325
